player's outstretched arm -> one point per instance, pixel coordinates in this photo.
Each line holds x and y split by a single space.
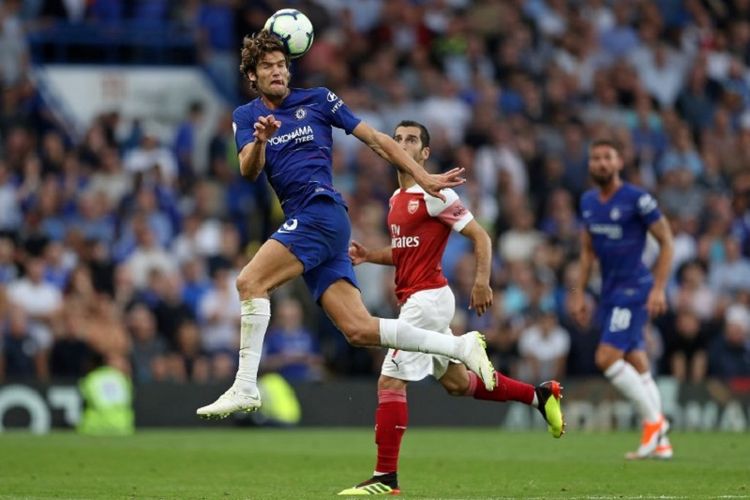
359 254
586 262
481 292
388 149
253 155
660 230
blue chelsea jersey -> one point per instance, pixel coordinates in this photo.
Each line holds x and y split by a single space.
298 156
618 230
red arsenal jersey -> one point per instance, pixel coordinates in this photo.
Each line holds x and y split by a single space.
420 225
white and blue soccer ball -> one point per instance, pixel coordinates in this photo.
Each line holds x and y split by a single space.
294 29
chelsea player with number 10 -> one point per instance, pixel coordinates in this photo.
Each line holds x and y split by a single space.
287 132
617 217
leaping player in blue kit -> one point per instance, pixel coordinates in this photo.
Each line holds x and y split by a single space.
617 217
287 132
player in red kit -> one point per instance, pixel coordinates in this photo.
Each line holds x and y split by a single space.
420 225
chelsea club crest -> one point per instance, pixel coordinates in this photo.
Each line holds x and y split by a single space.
300 113
614 214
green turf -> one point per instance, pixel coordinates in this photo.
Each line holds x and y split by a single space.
298 464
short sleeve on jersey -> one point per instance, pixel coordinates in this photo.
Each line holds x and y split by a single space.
242 124
338 113
648 209
450 212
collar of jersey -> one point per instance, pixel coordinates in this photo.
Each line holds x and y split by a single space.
416 188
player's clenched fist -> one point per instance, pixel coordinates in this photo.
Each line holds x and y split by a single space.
265 127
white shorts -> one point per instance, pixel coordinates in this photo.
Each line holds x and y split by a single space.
431 310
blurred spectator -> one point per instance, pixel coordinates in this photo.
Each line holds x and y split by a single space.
57 264
686 346
149 349
199 238
110 179
520 241
216 45
40 300
93 217
104 326
24 357
584 339
289 348
502 343
8 269
10 213
169 309
561 221
697 100
188 362
729 353
680 195
692 292
662 71
70 353
218 315
195 284
157 163
685 247
500 155
147 255
544 347
733 273
185 143
682 155
14 49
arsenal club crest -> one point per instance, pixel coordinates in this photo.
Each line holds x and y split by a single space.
412 206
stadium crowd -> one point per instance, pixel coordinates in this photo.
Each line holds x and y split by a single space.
124 243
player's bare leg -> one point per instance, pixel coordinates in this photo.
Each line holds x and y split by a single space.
343 304
271 267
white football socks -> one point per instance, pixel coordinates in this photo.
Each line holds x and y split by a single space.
256 314
652 390
399 334
628 381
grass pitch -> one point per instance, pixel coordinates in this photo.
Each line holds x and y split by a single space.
302 463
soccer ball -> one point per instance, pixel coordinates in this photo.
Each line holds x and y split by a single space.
294 29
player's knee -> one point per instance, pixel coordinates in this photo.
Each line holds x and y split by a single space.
386 383
249 286
603 361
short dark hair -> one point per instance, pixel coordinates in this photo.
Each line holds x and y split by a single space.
254 47
424 135
606 141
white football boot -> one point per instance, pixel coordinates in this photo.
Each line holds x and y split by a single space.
476 360
230 402
663 450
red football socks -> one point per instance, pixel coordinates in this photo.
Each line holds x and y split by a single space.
391 418
506 389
